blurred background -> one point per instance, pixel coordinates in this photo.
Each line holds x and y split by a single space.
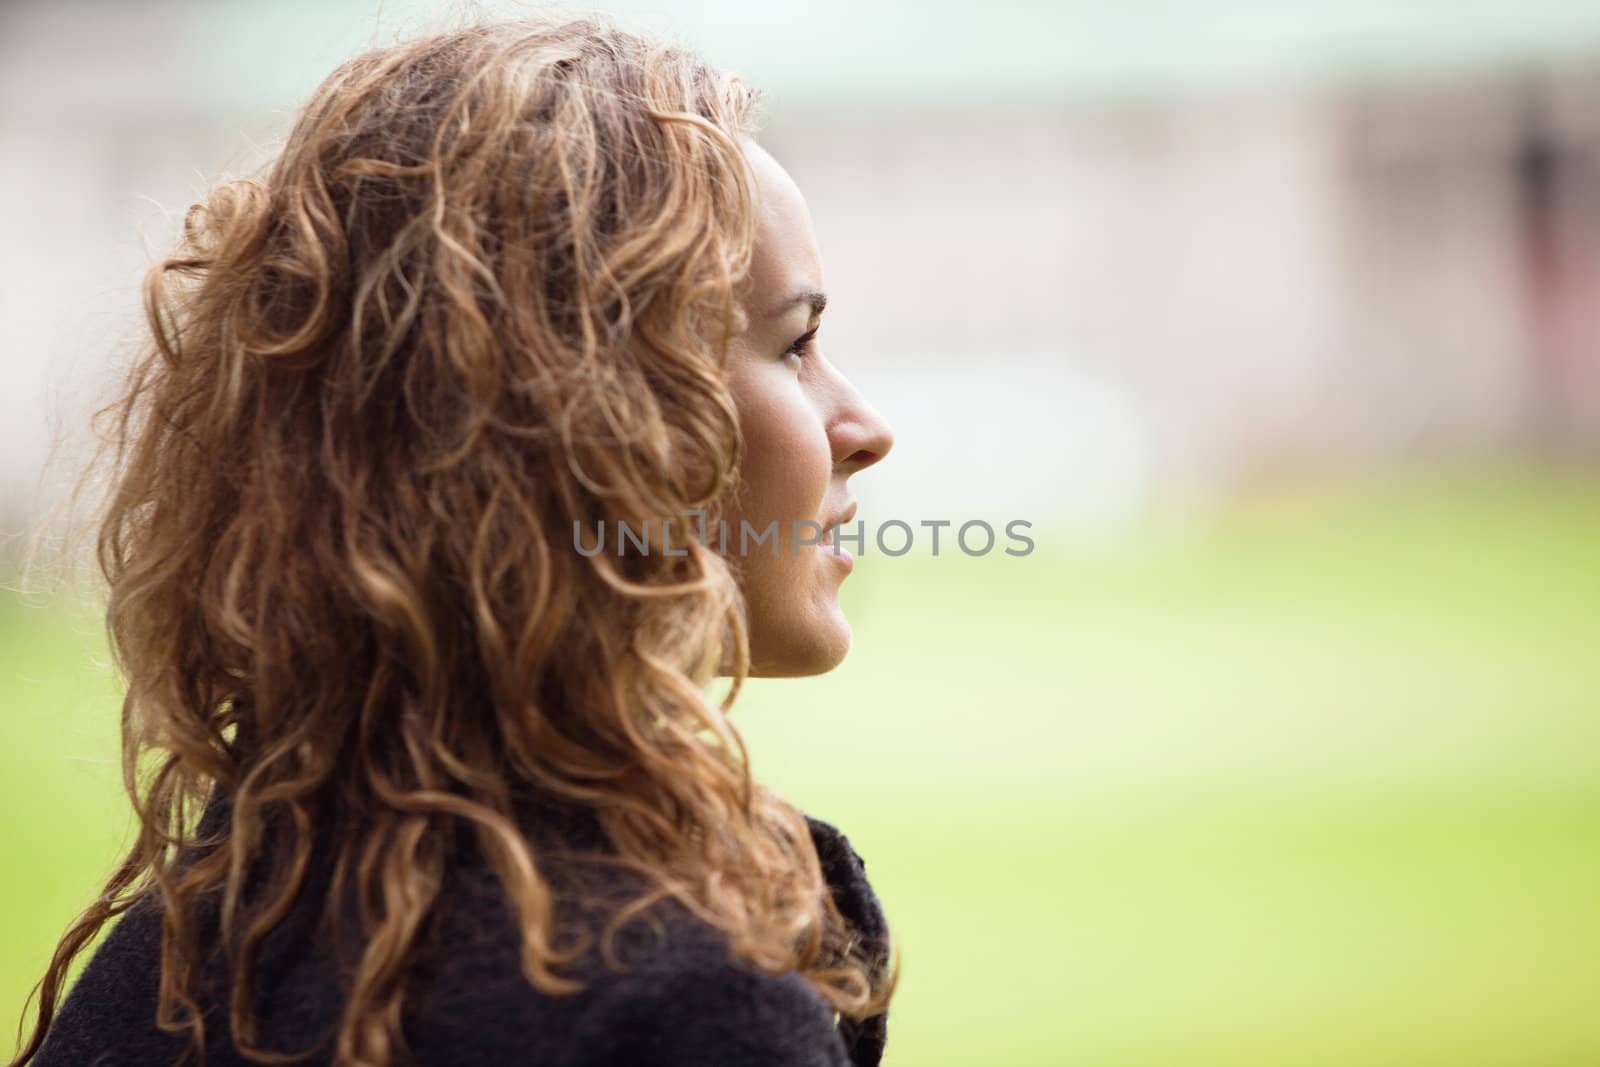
1280 321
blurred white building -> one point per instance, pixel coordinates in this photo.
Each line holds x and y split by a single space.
1076 271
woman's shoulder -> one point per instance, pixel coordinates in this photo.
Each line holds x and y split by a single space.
681 995
695 1008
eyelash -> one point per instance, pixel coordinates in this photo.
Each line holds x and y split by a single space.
801 343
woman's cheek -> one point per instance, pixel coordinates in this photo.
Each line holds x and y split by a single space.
786 452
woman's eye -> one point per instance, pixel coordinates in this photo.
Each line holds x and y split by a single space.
801 345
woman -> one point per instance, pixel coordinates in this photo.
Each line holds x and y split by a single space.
421 777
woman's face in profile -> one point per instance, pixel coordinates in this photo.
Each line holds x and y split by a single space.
806 430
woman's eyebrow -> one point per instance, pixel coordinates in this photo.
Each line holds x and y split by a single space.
815 297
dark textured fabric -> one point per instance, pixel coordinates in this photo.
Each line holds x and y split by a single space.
683 999
846 873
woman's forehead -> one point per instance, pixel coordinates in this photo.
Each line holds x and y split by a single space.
785 258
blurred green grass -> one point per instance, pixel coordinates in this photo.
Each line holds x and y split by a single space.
1314 783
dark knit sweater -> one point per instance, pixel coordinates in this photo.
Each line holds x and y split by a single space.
683 1000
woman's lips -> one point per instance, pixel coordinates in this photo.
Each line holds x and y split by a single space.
838 552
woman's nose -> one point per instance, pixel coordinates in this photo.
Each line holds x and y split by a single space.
860 436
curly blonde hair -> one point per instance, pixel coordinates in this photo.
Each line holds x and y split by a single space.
486 292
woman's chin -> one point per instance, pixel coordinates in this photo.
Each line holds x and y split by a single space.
815 649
